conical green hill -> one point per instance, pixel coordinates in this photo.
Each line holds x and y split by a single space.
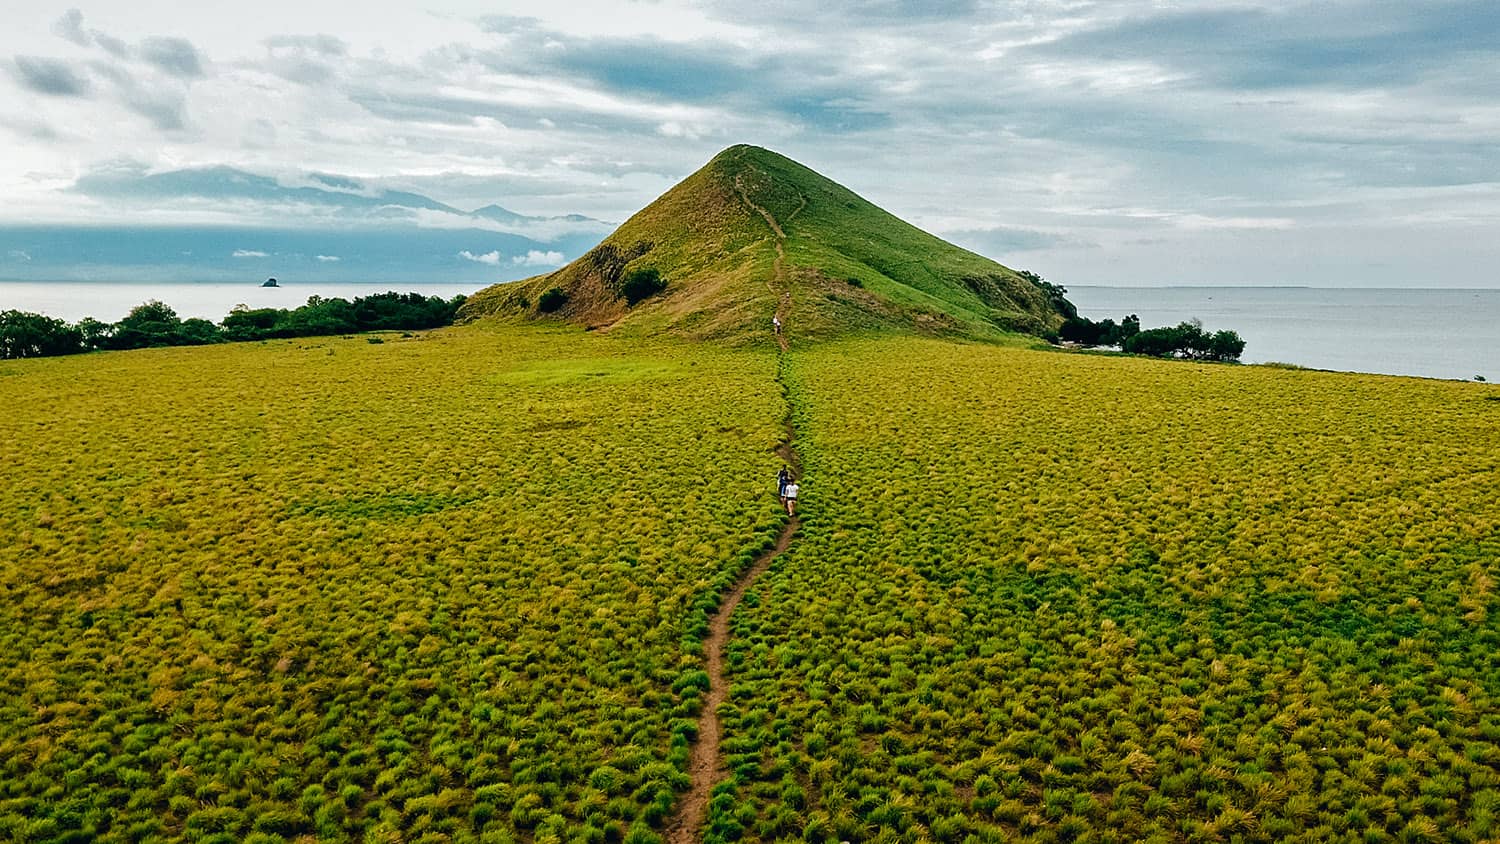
753 229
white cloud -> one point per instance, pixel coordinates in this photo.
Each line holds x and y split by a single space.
491 258
538 258
329 258
249 253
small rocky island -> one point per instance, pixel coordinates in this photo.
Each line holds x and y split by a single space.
270 282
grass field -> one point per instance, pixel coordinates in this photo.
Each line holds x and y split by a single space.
442 587
1056 597
453 587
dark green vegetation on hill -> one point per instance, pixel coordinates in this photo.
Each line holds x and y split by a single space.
27 335
713 238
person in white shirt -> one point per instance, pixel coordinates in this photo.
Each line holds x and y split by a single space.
790 494
776 323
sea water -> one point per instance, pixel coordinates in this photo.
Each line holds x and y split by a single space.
1434 333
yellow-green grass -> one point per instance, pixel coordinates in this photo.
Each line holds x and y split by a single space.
1061 597
445 586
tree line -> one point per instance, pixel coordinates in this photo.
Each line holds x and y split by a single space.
26 335
1184 340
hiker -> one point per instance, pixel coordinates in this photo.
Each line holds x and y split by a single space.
790 496
776 323
783 478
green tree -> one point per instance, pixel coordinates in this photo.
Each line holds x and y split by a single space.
149 324
1056 293
550 301
1226 345
246 323
198 332
642 283
27 335
95 334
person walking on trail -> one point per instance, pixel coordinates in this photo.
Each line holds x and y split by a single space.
776 323
790 494
783 478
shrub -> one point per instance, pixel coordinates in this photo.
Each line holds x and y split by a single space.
642 283
551 300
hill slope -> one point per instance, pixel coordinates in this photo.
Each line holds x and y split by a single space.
753 226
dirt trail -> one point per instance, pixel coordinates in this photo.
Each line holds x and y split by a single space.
778 282
706 763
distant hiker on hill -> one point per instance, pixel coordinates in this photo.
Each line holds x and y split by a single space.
776 323
783 478
790 496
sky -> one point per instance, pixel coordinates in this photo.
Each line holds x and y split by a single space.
1130 142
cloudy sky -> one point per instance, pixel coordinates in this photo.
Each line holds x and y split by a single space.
1123 142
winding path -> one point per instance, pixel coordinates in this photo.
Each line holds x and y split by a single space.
778 280
706 763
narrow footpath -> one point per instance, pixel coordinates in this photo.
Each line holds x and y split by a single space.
706 763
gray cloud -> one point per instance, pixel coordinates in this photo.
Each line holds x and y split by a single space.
1348 44
174 56
323 45
112 45
169 65
53 77
834 16
70 27
304 59
804 86
165 109
1000 241
163 104
31 128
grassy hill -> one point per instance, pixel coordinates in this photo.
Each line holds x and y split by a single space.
752 227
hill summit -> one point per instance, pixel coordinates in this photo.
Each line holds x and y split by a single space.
753 233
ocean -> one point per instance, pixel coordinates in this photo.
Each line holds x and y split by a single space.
1433 333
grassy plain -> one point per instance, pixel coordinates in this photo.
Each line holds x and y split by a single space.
453 588
449 587
1053 597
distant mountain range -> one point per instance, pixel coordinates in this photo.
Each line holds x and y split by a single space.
226 224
